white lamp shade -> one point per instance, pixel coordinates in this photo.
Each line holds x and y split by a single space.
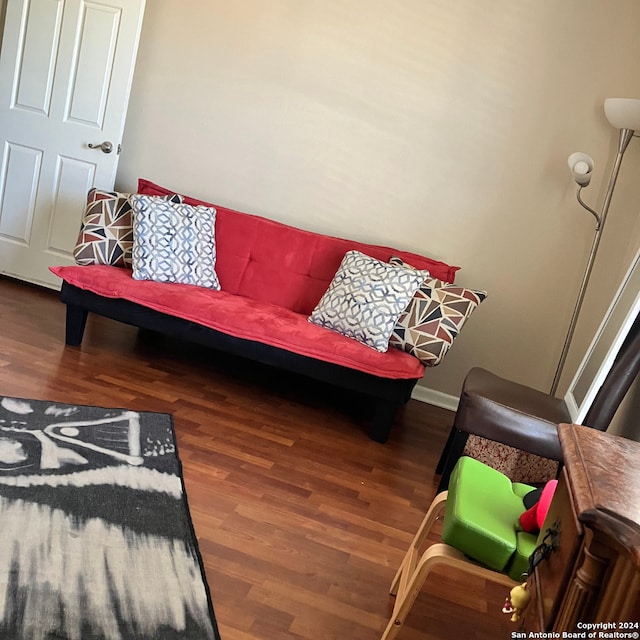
623 113
581 166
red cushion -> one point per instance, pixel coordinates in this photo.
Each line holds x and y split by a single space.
545 502
243 317
273 262
533 518
528 519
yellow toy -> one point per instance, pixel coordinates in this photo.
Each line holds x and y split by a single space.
517 601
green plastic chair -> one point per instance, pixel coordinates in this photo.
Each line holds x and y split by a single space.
480 535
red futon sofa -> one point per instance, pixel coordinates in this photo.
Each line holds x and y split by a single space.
271 277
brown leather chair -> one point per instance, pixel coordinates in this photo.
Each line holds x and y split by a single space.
526 419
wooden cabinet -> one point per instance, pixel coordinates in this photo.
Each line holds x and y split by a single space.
593 574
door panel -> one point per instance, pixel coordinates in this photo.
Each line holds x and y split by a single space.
93 62
72 181
66 68
20 177
33 80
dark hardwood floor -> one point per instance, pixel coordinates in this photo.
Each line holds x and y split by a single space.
302 520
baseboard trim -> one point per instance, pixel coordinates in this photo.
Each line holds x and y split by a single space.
436 398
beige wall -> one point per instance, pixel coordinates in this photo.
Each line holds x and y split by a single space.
435 126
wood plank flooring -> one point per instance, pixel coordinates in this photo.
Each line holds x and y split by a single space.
302 520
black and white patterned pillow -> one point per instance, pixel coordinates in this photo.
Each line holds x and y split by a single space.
365 298
173 242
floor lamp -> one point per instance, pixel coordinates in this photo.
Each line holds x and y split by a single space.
624 114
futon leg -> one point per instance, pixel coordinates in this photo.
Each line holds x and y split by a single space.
76 322
383 418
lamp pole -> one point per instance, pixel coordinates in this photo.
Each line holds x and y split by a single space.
623 143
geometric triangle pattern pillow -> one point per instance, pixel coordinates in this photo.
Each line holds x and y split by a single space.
106 231
433 319
365 299
173 242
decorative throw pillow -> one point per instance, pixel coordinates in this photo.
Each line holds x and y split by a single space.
106 231
365 298
173 242
433 319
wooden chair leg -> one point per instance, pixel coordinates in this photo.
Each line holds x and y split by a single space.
436 554
411 557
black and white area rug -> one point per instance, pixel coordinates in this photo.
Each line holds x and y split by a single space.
96 540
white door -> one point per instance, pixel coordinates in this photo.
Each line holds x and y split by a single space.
66 68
